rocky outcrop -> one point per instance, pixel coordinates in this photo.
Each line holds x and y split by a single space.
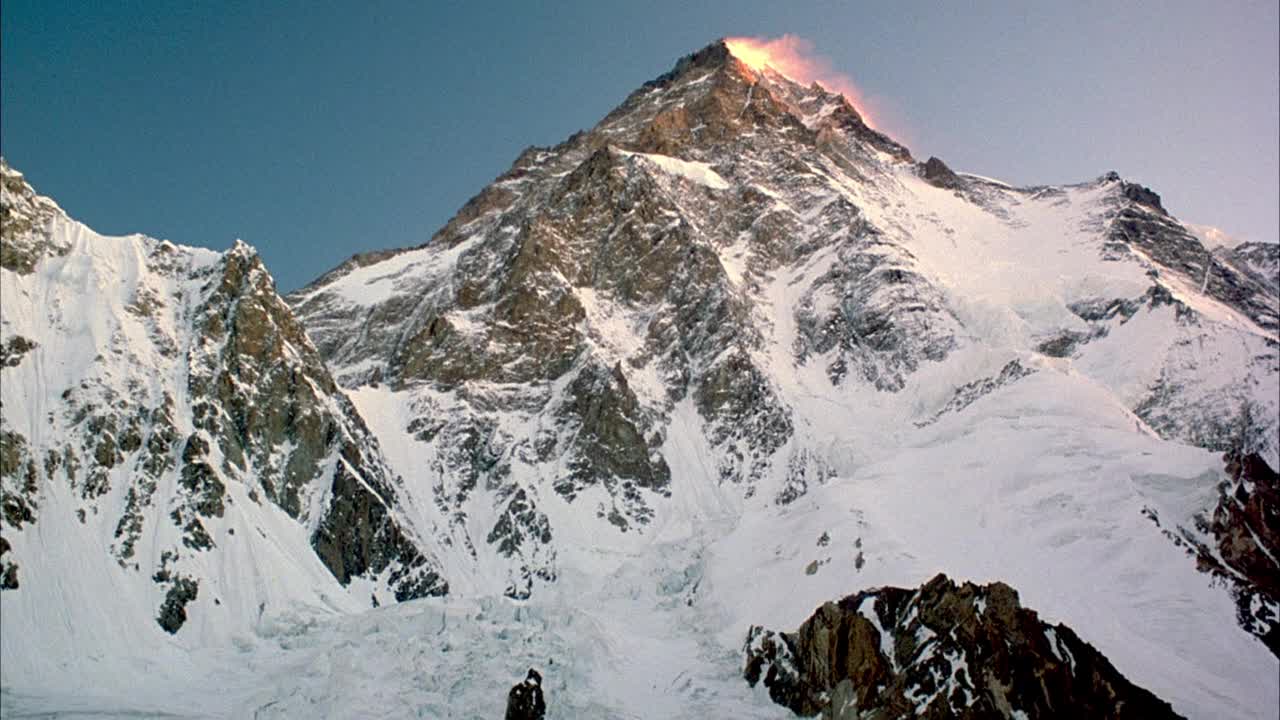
8 570
1261 260
262 388
24 216
874 318
608 444
525 702
941 651
936 173
969 393
1141 224
1239 541
1143 196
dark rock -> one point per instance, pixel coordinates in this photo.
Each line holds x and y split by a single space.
607 428
525 702
173 612
12 351
936 173
1259 260
1244 529
1166 242
18 489
942 651
1062 345
1143 195
8 570
8 576
969 393
358 537
888 319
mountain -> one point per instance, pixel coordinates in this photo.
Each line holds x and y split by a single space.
740 261
728 355
170 438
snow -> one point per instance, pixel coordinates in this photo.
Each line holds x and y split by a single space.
373 284
697 172
988 180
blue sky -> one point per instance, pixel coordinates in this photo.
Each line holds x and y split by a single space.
315 130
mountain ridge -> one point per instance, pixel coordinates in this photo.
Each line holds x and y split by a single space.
156 399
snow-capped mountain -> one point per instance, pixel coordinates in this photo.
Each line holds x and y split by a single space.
172 441
734 268
726 356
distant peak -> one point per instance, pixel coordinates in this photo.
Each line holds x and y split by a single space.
240 247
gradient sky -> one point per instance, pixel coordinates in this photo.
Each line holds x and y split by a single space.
315 130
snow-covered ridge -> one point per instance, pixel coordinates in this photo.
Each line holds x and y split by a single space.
176 459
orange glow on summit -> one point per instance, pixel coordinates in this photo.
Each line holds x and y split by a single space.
793 56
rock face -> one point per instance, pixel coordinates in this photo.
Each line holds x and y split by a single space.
1239 541
936 173
944 650
525 702
172 399
1258 259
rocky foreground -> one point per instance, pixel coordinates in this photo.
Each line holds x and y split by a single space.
942 651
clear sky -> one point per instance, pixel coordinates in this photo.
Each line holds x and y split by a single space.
314 130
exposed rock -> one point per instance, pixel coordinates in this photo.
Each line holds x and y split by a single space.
1240 542
8 569
608 444
969 393
882 319
1148 229
358 537
944 650
936 173
525 702
13 350
24 215
1143 195
18 474
1260 260
173 612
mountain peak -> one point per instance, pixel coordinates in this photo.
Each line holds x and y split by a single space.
733 88
24 216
